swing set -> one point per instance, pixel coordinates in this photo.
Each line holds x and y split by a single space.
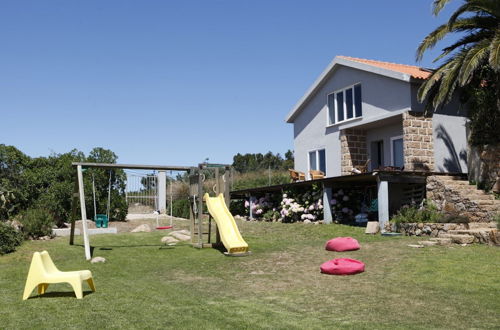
201 227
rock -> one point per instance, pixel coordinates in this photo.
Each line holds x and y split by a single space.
442 241
415 245
44 238
180 236
144 228
418 232
169 240
97 259
427 229
459 239
184 232
420 225
372 227
67 225
434 233
428 243
307 221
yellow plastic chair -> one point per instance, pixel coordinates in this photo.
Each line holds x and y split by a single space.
43 272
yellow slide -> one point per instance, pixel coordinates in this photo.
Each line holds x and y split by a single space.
229 233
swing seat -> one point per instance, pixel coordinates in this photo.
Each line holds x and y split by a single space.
164 227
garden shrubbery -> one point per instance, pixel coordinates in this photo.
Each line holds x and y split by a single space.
9 238
36 222
427 213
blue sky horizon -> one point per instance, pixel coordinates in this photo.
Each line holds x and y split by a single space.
164 82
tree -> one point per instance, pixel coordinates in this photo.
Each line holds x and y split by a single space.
479 47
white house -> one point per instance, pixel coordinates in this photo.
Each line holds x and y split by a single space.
360 109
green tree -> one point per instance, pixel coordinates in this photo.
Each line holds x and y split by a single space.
478 23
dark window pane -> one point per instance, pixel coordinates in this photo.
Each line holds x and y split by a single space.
340 106
348 103
331 109
357 100
398 155
322 160
312 160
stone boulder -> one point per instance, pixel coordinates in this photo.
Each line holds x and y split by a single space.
97 259
169 240
144 228
180 235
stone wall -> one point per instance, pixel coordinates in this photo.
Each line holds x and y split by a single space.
454 196
425 229
418 144
353 149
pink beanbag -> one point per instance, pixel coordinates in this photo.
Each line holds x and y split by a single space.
342 266
340 244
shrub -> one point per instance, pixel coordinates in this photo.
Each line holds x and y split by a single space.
9 238
37 222
181 208
427 213
237 207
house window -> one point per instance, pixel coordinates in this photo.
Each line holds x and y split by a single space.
344 104
397 154
317 160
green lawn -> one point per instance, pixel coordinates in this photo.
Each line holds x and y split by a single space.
278 287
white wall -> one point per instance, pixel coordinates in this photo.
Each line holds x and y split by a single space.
380 96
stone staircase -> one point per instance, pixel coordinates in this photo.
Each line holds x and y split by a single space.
454 194
480 232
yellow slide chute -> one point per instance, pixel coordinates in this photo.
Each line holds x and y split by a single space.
229 233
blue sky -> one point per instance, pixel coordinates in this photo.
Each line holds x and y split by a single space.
174 82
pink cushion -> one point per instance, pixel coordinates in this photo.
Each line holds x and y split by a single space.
340 244
342 266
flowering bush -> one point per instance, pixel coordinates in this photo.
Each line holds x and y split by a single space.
260 206
302 205
345 204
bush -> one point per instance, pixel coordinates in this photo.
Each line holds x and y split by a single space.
237 207
37 222
181 208
410 214
9 238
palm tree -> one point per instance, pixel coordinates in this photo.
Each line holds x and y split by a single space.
467 58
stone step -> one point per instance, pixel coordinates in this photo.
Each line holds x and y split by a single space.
451 178
480 225
458 238
471 232
441 240
428 243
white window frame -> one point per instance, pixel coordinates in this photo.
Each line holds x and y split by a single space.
392 147
316 153
335 112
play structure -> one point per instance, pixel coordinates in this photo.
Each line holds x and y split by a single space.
43 272
222 232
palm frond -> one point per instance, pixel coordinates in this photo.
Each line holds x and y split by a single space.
431 40
471 38
479 7
475 56
438 5
494 59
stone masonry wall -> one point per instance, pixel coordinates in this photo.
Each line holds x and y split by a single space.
353 149
484 164
418 145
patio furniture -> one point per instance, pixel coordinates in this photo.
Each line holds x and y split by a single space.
296 175
316 174
43 272
363 168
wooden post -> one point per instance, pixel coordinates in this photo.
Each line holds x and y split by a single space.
200 208
383 203
83 212
193 193
327 208
74 210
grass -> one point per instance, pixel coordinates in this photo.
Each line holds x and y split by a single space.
144 285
